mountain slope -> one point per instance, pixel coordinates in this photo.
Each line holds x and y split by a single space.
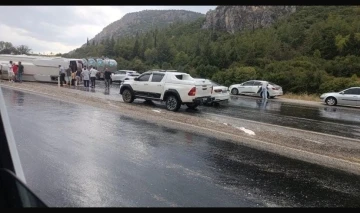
238 18
312 50
143 21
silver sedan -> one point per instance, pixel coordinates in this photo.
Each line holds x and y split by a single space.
350 96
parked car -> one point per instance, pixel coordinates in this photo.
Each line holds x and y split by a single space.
350 96
175 88
120 75
252 87
220 93
131 76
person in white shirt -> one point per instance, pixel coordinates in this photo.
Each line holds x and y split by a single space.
264 90
86 76
93 73
10 72
62 75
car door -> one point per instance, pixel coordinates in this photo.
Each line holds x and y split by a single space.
348 97
255 88
116 76
121 75
245 88
357 94
141 85
156 85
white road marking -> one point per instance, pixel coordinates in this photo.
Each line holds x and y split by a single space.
247 131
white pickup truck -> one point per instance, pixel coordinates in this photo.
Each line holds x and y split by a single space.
175 88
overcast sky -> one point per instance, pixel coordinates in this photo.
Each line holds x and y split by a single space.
60 29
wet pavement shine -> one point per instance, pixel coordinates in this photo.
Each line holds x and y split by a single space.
333 120
75 156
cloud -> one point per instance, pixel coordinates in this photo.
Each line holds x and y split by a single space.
64 28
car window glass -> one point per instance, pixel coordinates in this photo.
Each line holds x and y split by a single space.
350 91
214 83
357 91
248 83
157 77
257 83
144 77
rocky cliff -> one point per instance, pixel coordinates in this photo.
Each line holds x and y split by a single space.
238 18
143 21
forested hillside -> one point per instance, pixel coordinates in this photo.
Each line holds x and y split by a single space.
314 50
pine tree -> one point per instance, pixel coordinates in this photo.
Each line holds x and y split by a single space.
87 42
136 49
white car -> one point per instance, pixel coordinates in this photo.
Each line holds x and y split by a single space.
175 88
350 96
252 87
120 75
220 93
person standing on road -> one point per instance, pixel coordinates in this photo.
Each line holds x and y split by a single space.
20 72
78 77
10 72
93 73
86 74
62 75
107 77
264 90
68 75
15 70
73 78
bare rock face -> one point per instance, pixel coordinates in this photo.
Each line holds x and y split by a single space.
143 21
238 18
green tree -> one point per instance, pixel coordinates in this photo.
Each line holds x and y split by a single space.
136 49
151 56
164 51
166 66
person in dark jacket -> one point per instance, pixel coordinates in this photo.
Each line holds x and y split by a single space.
78 77
20 71
107 78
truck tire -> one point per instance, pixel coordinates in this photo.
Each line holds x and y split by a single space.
172 103
127 96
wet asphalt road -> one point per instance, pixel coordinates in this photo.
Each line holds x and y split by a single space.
340 121
76 155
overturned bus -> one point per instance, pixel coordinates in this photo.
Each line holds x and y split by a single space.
46 69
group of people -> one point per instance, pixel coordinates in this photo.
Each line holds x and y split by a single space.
15 72
75 77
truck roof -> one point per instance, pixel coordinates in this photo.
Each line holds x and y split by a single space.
166 71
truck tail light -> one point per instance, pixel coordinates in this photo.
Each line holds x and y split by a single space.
192 91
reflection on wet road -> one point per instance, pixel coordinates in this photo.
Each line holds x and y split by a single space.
341 121
75 155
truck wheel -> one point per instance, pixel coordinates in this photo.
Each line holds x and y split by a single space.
172 103
127 96
192 105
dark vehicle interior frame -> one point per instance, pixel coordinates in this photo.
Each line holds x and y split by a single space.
13 190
